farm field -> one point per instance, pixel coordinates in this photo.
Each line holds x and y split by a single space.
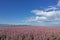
29 33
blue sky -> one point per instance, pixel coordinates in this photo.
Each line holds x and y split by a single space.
30 12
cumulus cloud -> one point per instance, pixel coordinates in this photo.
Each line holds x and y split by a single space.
43 13
50 15
41 18
47 16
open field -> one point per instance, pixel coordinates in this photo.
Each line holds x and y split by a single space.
29 33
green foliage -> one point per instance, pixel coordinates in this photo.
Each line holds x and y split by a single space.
23 37
32 37
58 38
3 37
55 38
48 39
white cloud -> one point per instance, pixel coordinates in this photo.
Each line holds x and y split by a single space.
42 16
58 4
32 19
51 15
43 13
38 12
50 8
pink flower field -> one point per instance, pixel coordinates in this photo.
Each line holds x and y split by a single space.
29 33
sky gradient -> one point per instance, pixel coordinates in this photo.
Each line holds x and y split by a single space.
30 12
